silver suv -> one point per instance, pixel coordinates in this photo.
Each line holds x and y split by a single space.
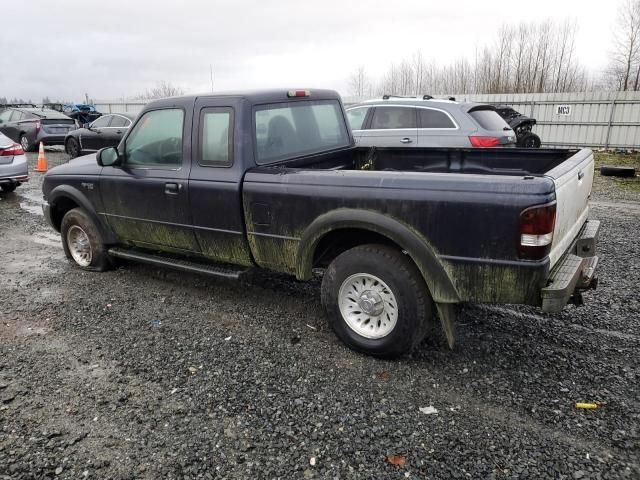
427 122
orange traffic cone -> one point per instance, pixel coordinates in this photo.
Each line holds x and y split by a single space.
41 166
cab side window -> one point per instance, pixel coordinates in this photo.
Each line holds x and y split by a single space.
156 140
216 136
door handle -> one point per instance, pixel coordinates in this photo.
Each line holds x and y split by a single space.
406 140
119 132
580 175
172 188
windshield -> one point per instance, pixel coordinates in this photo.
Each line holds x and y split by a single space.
291 129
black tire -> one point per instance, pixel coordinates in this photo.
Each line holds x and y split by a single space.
8 188
99 260
26 145
609 171
529 140
415 309
72 147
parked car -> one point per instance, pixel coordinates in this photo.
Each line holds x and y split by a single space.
219 184
522 125
30 125
81 113
106 131
13 164
428 122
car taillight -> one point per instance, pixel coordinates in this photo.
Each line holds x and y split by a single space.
536 231
11 151
298 93
37 128
484 142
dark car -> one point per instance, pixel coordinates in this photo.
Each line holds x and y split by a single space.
106 131
522 125
31 125
217 184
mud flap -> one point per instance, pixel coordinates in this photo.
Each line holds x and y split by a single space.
447 313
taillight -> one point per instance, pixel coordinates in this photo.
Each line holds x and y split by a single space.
298 93
11 151
484 142
37 127
536 231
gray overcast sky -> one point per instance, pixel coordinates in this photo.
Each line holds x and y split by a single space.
118 48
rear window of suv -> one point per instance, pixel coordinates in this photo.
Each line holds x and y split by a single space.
291 129
488 119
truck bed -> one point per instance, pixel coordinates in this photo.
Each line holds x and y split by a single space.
498 161
464 203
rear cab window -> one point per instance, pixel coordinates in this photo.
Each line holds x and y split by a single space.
292 129
387 118
488 119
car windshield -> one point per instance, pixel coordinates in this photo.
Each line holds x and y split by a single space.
290 129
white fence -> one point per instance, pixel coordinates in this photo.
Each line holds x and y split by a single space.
608 120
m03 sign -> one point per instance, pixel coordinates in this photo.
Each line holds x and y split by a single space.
564 110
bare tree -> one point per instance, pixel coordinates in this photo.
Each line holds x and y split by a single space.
359 82
163 89
624 68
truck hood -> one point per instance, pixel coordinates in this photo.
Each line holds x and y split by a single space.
85 165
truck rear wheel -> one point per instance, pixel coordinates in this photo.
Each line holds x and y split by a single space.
377 301
82 241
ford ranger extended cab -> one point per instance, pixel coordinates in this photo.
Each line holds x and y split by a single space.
221 184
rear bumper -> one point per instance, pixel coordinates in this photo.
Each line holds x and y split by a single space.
14 172
574 272
51 138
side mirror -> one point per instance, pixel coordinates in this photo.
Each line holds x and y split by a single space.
109 157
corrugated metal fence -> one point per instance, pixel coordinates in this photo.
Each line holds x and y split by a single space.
594 119
119 107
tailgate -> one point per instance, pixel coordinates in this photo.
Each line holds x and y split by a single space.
573 179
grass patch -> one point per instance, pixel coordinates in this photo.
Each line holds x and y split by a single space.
617 160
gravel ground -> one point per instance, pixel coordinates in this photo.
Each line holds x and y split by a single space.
145 373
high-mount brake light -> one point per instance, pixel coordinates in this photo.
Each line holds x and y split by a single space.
484 142
11 151
298 93
536 231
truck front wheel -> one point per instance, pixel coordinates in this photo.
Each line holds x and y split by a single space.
377 301
82 241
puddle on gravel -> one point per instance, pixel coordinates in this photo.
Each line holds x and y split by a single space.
32 203
47 238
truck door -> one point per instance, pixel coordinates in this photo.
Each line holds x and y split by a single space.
146 200
215 183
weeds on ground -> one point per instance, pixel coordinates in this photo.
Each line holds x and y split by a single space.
617 160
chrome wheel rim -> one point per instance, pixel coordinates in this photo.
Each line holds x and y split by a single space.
368 306
79 246
25 143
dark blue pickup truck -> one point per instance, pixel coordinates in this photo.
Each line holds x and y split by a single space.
221 184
